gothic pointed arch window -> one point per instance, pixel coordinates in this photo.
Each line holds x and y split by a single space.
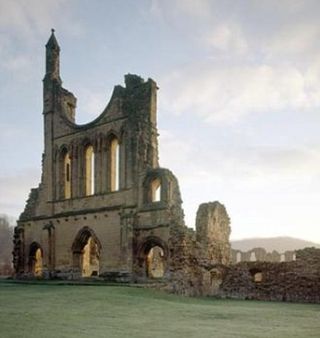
114 164
67 175
64 174
155 190
157 187
89 171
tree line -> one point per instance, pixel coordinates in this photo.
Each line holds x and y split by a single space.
6 245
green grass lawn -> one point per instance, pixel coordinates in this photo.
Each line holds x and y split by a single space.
51 310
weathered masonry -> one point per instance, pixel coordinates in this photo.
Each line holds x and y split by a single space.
104 206
294 281
260 254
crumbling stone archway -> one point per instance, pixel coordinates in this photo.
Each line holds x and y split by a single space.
152 258
257 275
36 259
86 251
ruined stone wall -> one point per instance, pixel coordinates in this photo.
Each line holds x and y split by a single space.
213 231
197 257
59 218
295 281
260 254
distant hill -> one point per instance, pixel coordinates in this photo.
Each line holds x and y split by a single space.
280 244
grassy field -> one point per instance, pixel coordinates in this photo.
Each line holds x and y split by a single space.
59 311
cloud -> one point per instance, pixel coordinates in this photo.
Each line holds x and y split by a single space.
20 149
253 63
199 8
279 182
219 93
29 18
297 41
17 63
243 167
24 22
171 9
227 38
247 65
15 190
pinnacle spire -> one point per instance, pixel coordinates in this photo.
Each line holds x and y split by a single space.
52 42
53 58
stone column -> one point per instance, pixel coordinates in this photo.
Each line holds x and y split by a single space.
74 171
81 171
98 163
104 166
122 164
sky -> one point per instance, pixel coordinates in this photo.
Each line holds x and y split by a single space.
238 104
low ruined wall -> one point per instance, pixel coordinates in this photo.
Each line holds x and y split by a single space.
260 254
296 281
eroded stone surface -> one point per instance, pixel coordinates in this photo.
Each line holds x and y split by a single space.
260 254
295 281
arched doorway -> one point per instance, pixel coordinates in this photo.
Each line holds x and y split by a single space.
86 250
152 258
36 259
155 262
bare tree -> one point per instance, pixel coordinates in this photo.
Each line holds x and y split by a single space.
6 236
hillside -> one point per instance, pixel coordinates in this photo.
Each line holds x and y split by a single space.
280 244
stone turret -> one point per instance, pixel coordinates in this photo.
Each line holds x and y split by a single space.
53 58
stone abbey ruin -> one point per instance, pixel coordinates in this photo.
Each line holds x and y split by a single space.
106 209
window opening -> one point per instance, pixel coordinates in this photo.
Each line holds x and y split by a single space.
115 165
156 190
90 170
67 176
